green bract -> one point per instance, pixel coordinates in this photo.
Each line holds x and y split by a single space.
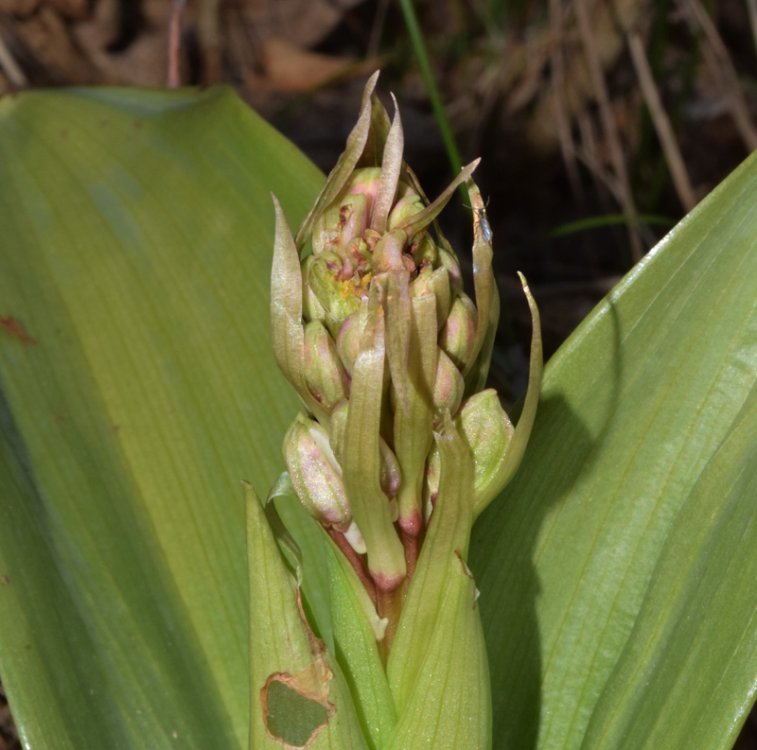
398 449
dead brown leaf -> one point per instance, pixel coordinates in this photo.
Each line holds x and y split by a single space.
291 68
19 7
45 50
302 22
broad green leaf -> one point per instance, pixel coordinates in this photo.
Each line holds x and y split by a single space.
617 571
137 390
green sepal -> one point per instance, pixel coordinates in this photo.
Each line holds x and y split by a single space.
315 472
356 629
458 335
391 167
287 330
437 666
487 299
488 431
348 160
450 706
417 223
398 327
436 283
298 695
361 459
517 445
411 321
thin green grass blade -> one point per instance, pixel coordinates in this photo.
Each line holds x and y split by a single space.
138 389
617 570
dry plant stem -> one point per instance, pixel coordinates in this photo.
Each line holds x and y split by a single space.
10 66
661 123
587 154
557 67
173 79
719 62
609 127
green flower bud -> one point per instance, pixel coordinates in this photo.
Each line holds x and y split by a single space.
448 260
312 309
449 385
349 218
458 336
390 475
315 474
425 251
324 373
404 207
435 282
333 281
349 338
487 430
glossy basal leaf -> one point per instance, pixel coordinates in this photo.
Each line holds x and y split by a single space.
138 389
617 571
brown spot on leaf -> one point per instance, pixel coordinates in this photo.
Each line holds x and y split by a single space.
4 579
15 328
296 707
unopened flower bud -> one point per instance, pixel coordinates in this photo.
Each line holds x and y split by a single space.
390 471
448 260
324 373
425 251
449 385
408 205
487 430
436 283
349 338
315 474
341 222
312 309
458 337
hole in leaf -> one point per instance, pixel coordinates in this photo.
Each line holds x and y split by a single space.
291 715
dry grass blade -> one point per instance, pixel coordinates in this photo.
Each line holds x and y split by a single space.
661 123
610 128
719 61
10 66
